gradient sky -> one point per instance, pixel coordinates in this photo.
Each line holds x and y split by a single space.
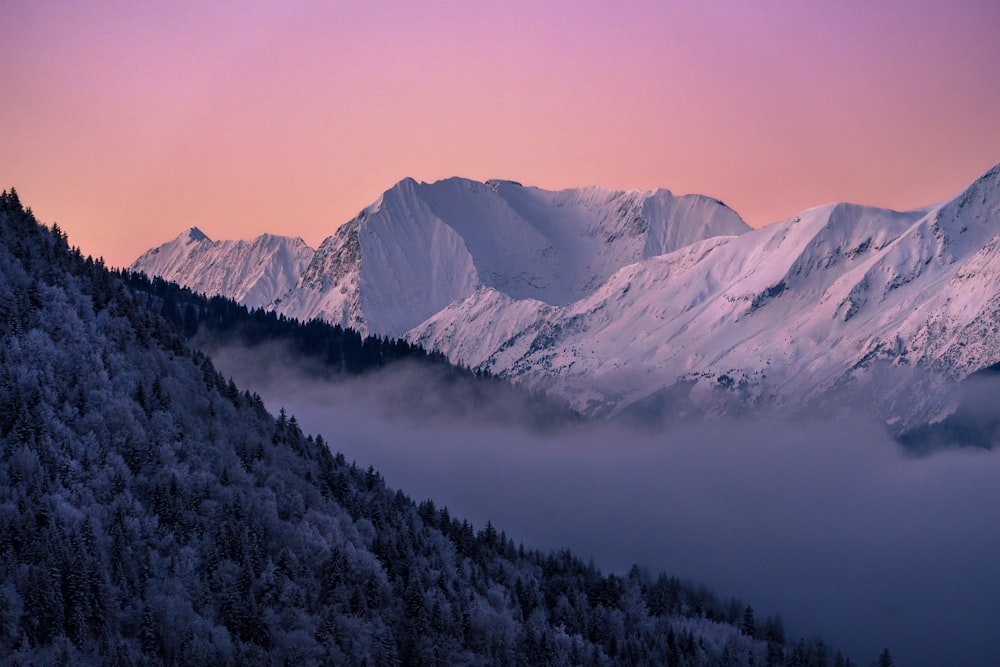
127 122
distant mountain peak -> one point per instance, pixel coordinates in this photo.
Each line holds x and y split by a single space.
255 272
194 234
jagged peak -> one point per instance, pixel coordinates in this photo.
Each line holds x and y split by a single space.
193 234
269 238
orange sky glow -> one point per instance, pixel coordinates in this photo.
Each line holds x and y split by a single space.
127 122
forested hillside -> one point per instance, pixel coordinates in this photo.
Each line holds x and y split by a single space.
337 348
152 513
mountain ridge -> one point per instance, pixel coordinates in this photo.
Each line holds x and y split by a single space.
609 297
255 272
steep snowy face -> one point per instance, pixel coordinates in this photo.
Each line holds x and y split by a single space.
387 270
422 247
557 247
329 287
253 272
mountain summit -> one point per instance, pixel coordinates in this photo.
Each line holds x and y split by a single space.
255 272
421 247
616 299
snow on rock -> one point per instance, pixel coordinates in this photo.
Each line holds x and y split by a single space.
253 272
424 246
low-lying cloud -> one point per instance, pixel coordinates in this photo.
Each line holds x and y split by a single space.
828 521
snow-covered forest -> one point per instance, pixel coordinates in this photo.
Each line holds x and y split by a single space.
153 513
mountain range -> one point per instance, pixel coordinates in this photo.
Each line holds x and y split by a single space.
647 303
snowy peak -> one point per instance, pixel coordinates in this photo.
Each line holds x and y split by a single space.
557 247
254 272
193 235
423 246
820 251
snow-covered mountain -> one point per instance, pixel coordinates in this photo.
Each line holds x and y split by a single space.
424 246
254 272
650 301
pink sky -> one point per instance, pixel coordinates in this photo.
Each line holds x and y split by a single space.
127 122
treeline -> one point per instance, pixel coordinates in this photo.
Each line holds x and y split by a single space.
338 348
332 352
152 513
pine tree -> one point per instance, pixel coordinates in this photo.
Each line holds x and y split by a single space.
748 626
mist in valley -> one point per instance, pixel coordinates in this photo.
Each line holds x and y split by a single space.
826 520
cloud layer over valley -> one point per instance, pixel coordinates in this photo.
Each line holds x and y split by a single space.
828 521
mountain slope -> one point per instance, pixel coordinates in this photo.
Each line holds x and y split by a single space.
782 316
254 272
